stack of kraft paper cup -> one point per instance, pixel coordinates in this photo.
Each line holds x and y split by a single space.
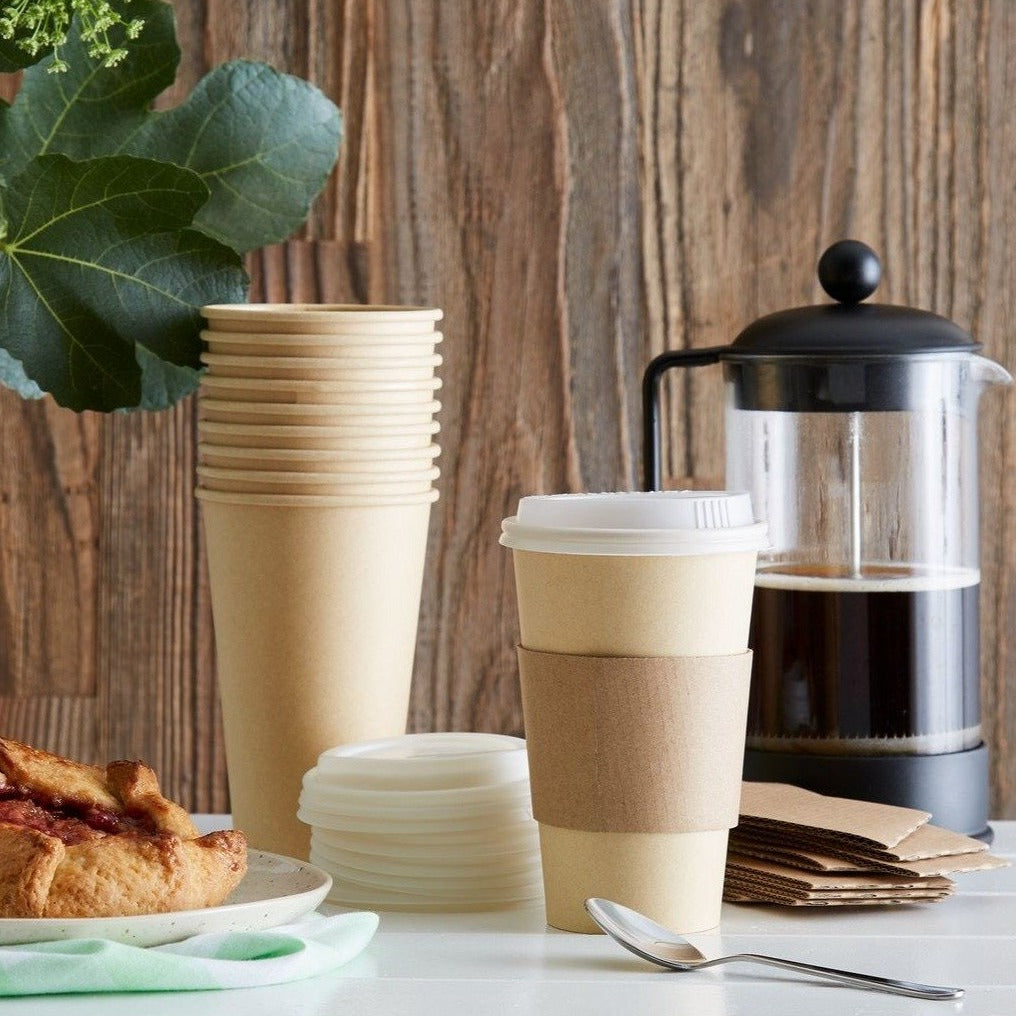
316 471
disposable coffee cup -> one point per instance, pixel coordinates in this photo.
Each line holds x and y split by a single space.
255 481
352 345
317 460
353 438
305 368
315 319
362 415
332 393
315 607
634 612
315 500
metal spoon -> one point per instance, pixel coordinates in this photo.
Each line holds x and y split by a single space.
638 934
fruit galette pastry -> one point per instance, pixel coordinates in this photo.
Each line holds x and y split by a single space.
82 841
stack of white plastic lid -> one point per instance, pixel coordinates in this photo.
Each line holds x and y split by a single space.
425 822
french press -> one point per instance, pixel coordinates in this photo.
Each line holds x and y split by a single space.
854 428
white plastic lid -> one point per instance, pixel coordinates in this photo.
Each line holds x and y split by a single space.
437 862
487 825
427 761
321 793
668 522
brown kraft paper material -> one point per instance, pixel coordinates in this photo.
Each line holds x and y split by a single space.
647 744
794 881
750 881
808 860
794 812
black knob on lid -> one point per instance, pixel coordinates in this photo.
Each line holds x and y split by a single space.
849 271
845 356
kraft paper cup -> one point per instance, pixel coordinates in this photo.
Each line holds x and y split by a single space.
317 460
633 576
335 346
256 481
315 319
365 415
333 393
315 610
315 500
360 439
305 368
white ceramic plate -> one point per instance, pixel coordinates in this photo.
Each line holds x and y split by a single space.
276 890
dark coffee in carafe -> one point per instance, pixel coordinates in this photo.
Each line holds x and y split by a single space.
884 662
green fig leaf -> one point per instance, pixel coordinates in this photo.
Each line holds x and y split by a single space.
117 223
264 142
101 280
13 376
90 110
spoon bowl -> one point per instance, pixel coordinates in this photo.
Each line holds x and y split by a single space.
644 937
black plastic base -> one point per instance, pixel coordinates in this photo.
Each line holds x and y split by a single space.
953 787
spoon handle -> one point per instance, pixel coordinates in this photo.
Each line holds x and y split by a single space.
896 987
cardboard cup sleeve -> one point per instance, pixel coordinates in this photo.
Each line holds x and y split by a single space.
648 744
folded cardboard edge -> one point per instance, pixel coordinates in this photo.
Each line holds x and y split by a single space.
866 824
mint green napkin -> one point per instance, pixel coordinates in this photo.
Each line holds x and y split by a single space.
235 959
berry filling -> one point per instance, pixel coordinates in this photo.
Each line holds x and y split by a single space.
70 821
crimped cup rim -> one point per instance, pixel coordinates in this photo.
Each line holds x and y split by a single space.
242 452
242 498
320 408
310 430
322 312
284 363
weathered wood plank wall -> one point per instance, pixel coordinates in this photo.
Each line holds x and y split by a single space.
580 184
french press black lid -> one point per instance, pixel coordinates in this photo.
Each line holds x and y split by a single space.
842 357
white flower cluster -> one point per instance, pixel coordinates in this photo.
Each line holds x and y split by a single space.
40 25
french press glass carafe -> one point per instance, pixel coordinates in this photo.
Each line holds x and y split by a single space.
854 428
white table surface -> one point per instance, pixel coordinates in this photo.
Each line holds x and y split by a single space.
510 962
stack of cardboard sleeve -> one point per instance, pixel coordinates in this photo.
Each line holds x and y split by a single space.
799 848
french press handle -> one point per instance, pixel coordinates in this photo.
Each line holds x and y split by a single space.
652 478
